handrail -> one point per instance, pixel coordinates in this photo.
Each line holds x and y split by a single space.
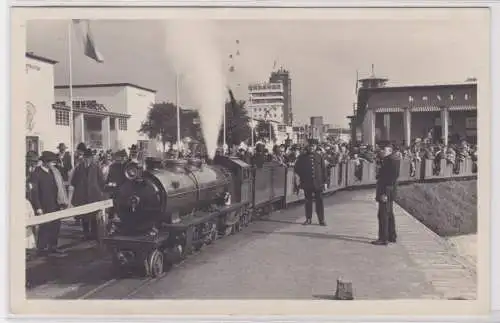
69 213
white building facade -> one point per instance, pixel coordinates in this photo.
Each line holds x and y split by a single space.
266 102
105 116
41 130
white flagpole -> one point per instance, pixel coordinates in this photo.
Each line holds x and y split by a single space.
71 117
177 99
252 122
224 127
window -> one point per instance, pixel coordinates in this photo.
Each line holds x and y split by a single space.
122 124
438 97
452 97
112 124
62 118
466 97
410 98
425 98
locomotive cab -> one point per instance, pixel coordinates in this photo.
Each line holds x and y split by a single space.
242 177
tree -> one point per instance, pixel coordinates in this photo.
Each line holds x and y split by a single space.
161 123
262 131
237 127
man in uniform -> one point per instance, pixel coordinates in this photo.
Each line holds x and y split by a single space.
385 194
310 170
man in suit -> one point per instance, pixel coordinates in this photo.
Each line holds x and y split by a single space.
385 194
310 170
48 195
86 187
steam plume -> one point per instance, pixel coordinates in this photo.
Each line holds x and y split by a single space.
193 51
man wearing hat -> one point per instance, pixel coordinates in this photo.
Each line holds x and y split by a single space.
80 150
63 161
385 194
48 195
86 187
310 170
116 175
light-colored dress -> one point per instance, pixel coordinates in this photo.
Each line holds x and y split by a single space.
30 231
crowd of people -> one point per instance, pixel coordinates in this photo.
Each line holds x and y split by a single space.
339 153
55 181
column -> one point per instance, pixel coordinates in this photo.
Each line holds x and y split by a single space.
79 129
407 126
387 125
444 124
370 135
106 133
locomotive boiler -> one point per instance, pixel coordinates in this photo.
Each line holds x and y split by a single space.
166 191
166 208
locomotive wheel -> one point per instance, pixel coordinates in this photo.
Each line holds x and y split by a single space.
155 263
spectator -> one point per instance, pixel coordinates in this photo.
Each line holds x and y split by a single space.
48 195
63 161
87 185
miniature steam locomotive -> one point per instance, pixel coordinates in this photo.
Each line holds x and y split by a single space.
168 208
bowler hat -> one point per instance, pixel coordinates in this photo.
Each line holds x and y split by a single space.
61 146
48 156
81 147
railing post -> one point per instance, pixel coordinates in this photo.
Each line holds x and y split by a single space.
102 224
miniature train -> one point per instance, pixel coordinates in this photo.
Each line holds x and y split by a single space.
169 208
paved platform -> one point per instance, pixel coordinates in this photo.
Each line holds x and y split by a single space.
42 270
292 261
278 258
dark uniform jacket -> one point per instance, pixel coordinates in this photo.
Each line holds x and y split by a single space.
387 177
311 169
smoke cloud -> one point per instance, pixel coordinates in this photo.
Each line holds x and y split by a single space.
192 49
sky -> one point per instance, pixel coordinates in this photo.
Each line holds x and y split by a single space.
321 55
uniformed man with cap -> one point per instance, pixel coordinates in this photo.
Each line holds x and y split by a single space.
385 194
310 170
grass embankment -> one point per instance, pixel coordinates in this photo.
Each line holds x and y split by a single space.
447 208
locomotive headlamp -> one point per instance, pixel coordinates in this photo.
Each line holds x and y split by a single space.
132 171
